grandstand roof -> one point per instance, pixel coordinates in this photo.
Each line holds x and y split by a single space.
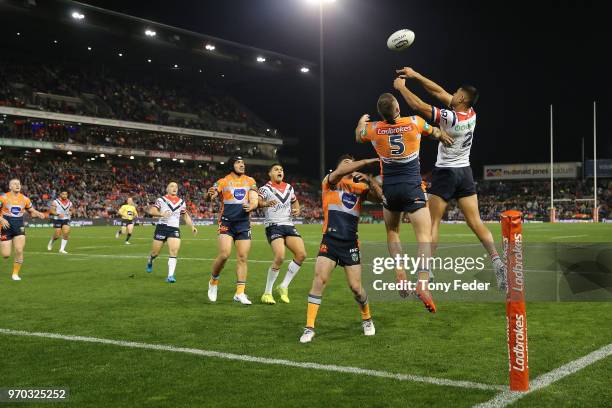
113 31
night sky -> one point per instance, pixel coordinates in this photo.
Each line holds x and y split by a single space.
521 56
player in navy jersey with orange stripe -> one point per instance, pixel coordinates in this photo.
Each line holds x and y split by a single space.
238 195
13 206
344 189
397 141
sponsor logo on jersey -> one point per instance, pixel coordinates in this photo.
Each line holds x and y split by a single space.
393 130
15 210
349 200
239 193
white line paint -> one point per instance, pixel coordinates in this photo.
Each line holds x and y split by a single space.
508 397
569 236
144 257
262 360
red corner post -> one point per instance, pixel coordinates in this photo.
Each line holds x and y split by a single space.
516 316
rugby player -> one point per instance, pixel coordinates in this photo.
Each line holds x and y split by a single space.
238 198
397 142
344 189
452 175
280 204
169 209
13 206
61 210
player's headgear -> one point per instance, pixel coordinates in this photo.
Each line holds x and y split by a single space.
232 161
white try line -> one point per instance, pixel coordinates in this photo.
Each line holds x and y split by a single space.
569 236
262 360
508 397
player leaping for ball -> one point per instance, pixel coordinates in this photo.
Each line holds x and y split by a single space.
13 206
238 198
344 189
61 210
397 142
452 176
280 205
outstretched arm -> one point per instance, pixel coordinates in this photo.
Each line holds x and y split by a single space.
361 129
411 99
430 86
347 167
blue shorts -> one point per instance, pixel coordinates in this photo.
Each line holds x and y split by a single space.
125 223
163 232
15 229
239 230
281 231
60 223
344 253
452 182
401 197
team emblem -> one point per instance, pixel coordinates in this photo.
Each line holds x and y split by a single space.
349 200
239 193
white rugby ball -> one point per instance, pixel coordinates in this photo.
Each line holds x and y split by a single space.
400 40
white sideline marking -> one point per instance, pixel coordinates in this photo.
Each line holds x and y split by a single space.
508 397
569 236
262 360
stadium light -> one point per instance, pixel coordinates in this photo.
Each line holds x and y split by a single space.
261 59
175 66
131 157
18 34
149 60
77 16
69 153
182 161
267 130
102 155
200 70
88 48
222 163
37 150
120 54
210 47
304 70
54 41
158 160
150 33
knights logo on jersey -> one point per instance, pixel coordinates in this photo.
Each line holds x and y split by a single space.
239 193
349 200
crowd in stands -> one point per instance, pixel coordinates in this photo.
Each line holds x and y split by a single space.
98 188
103 92
62 132
533 199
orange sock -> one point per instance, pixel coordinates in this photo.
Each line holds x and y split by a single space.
313 308
214 280
364 307
240 285
17 268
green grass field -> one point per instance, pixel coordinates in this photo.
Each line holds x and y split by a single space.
101 290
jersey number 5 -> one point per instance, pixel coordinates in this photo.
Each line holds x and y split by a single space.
397 144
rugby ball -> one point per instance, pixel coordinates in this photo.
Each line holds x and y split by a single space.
400 40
